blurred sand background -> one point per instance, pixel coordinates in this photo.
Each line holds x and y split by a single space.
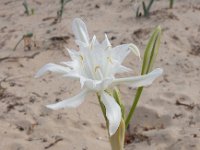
168 114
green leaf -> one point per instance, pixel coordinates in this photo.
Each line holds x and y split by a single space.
150 4
151 51
138 12
144 8
150 54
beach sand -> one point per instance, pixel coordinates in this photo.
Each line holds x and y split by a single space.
168 114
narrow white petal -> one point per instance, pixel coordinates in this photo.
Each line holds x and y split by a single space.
106 43
134 49
71 102
120 69
71 64
120 52
53 68
72 74
80 30
81 44
113 112
67 63
97 85
73 54
139 81
82 81
94 42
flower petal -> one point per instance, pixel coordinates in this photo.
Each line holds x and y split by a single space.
113 112
106 43
81 44
73 54
120 52
94 43
139 81
134 49
72 74
121 69
71 102
71 64
80 31
118 68
53 68
97 85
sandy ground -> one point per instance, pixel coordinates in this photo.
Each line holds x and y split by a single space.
168 115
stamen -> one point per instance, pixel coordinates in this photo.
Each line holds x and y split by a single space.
108 47
96 68
81 56
109 60
98 72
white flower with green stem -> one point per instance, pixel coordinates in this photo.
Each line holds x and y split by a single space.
95 66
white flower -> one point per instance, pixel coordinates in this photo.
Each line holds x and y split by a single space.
95 65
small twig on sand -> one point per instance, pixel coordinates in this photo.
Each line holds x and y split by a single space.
60 38
29 57
53 143
189 106
18 43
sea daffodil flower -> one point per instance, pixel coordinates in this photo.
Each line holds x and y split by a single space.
96 65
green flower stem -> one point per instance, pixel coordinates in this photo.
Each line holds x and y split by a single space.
135 102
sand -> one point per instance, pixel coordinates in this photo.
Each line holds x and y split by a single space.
168 114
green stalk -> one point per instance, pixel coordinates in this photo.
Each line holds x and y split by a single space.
62 8
61 11
146 9
150 4
150 54
25 4
134 105
171 3
138 12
